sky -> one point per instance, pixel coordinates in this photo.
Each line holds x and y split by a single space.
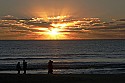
104 9
84 8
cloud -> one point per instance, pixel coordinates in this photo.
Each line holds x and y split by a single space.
106 28
36 30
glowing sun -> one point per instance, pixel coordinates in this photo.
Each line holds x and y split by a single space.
54 31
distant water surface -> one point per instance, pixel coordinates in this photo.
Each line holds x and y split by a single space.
69 56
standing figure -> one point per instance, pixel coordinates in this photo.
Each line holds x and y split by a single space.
24 66
18 67
50 67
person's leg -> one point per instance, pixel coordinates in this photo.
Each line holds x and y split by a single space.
24 71
48 71
18 71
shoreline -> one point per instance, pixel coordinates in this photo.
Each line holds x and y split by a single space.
63 78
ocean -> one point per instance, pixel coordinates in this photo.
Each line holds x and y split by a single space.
69 56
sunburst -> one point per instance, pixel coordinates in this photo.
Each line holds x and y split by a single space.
54 31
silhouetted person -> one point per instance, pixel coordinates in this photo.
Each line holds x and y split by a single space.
18 67
50 67
24 66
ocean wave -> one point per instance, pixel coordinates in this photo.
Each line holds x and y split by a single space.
66 65
60 56
32 58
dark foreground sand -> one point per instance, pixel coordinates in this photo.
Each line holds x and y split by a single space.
71 78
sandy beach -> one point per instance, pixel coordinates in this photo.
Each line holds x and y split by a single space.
69 78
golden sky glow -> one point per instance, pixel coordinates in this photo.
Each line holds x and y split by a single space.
46 13
51 35
54 32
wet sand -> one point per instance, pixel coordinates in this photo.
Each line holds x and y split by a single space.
69 78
